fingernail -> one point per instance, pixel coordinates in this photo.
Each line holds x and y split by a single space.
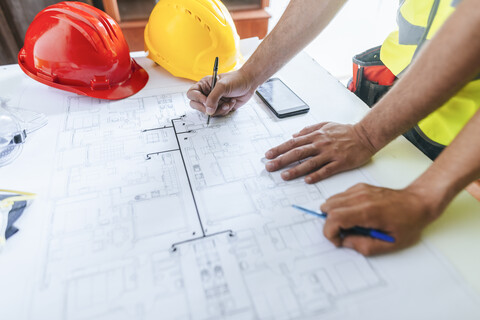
285 175
269 166
269 154
210 111
225 108
308 180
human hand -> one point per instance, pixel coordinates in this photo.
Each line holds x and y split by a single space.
402 214
231 91
327 148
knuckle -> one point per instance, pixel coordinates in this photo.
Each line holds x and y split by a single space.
221 85
298 153
363 186
333 216
308 128
327 170
365 198
325 207
311 165
193 105
277 163
292 143
293 172
318 134
328 231
210 104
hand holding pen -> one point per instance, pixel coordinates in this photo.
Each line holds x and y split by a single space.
401 214
231 91
374 220
376 234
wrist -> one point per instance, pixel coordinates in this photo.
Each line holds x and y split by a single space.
251 76
365 137
433 194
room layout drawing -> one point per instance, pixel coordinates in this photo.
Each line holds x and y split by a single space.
154 215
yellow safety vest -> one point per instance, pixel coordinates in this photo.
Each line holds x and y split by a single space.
418 21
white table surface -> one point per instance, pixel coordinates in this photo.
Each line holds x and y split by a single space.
456 234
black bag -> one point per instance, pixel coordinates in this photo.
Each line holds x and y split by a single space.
371 78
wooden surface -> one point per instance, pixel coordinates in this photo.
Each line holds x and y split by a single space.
133 32
9 44
251 23
111 7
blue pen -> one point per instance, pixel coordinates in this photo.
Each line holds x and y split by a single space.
355 230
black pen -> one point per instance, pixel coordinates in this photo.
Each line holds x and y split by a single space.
214 81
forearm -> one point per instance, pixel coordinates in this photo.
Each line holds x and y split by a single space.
445 64
456 167
301 22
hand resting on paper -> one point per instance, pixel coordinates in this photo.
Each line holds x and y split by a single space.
327 148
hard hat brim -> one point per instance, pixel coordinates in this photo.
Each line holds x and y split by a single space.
136 82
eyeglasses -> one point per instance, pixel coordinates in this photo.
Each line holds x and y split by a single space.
15 125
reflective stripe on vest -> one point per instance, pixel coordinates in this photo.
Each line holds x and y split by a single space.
418 21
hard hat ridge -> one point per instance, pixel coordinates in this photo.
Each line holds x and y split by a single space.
75 47
185 36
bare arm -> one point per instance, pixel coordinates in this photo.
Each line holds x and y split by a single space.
430 82
405 213
446 64
443 67
301 22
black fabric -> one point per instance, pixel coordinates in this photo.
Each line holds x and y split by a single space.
15 213
430 150
422 144
371 57
369 91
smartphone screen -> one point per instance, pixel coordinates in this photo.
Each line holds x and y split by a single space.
281 99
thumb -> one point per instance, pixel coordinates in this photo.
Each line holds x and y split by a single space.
214 97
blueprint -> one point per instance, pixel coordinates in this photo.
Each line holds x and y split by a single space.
154 215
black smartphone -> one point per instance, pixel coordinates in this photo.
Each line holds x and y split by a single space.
281 99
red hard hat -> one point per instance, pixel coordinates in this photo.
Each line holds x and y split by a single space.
75 47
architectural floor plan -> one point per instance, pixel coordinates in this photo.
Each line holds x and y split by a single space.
155 215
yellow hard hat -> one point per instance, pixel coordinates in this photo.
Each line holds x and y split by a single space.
185 36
